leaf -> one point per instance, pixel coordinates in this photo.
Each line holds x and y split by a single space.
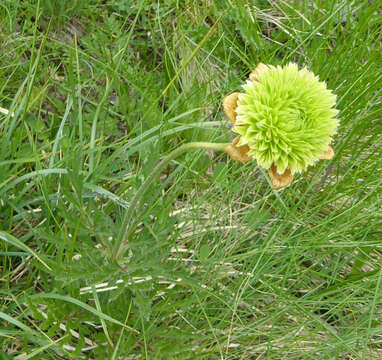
204 252
32 335
17 323
43 348
143 302
16 242
82 305
220 172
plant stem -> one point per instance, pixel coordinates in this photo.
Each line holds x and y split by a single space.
127 223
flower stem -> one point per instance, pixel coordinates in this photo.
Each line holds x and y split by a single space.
127 225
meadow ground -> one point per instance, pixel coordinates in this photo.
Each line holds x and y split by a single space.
219 265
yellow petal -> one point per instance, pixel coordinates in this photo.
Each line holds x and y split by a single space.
230 105
259 68
328 154
280 181
238 153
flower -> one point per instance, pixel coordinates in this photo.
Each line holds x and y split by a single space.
285 119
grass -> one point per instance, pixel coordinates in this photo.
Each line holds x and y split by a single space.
220 265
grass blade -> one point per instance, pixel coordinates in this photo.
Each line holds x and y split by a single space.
16 242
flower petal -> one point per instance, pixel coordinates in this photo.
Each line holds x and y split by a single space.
238 153
230 105
328 154
280 181
259 68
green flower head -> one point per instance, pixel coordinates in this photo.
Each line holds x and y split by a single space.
286 117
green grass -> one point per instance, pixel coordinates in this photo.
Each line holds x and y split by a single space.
220 265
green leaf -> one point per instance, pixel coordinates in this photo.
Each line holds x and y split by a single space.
204 252
82 305
16 242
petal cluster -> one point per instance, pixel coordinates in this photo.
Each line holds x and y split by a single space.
285 117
